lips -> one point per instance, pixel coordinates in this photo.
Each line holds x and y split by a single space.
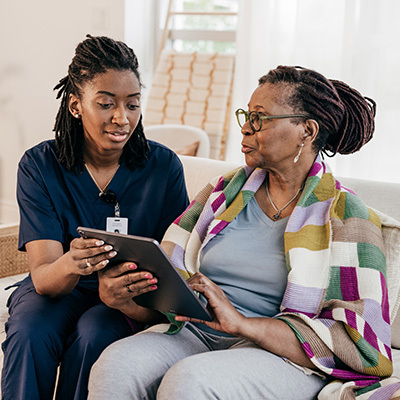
246 148
117 136
118 133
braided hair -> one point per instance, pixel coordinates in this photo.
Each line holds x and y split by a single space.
345 117
93 56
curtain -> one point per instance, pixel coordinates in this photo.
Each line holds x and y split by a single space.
351 40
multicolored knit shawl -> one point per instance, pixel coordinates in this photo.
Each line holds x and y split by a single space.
336 299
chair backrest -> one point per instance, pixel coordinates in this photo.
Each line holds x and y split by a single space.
178 137
193 89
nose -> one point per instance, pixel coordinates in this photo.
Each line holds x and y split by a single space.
246 129
120 116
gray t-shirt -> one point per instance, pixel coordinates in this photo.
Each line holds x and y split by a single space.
247 261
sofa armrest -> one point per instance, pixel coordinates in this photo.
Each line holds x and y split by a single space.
12 261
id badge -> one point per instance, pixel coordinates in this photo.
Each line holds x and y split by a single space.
117 225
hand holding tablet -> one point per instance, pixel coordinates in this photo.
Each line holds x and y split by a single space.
173 293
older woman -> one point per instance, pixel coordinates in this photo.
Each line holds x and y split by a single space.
289 261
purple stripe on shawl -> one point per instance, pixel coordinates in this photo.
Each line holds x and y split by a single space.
218 228
315 169
218 202
385 392
314 214
307 348
385 300
328 322
349 284
177 257
220 185
373 317
351 319
328 362
302 299
326 315
206 217
362 380
389 351
255 181
370 336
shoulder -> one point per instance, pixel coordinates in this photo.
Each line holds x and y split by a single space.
43 152
162 156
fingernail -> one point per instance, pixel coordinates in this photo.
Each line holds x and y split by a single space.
147 276
152 280
99 243
112 254
108 248
132 266
154 287
105 262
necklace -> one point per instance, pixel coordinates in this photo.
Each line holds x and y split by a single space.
104 189
278 212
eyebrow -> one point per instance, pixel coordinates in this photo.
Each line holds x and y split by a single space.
113 95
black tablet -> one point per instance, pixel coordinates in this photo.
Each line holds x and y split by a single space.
173 294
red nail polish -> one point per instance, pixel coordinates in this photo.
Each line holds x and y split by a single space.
132 266
154 287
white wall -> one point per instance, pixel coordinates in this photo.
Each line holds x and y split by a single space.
37 45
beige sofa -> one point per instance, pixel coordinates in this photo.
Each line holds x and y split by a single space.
198 171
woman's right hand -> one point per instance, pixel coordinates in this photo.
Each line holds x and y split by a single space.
90 255
120 283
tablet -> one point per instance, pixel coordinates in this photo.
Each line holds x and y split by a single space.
173 294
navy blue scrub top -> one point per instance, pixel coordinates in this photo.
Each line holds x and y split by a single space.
53 201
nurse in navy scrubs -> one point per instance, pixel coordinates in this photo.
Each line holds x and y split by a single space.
99 172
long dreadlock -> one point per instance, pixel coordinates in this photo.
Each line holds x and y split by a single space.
93 56
345 117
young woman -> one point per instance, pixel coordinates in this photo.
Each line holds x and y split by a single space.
99 172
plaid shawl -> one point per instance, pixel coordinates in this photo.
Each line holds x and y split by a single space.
336 299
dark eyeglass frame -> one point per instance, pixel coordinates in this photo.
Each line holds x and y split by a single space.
261 117
109 197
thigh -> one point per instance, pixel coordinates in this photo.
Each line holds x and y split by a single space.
133 367
31 313
238 373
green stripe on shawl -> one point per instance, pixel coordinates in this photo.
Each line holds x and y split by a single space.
370 256
334 290
188 220
355 209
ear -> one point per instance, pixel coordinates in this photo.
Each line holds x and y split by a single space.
311 129
74 106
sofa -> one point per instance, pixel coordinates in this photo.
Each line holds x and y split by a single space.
198 171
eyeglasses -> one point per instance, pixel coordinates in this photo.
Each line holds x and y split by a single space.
108 197
255 118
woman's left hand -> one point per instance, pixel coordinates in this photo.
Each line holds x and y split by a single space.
225 316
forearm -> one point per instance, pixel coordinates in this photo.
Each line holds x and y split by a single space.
275 336
141 314
54 279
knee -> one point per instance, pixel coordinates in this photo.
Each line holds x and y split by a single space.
108 375
182 380
109 366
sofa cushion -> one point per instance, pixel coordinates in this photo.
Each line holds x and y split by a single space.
391 238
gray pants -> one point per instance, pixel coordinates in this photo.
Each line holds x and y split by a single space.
195 365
